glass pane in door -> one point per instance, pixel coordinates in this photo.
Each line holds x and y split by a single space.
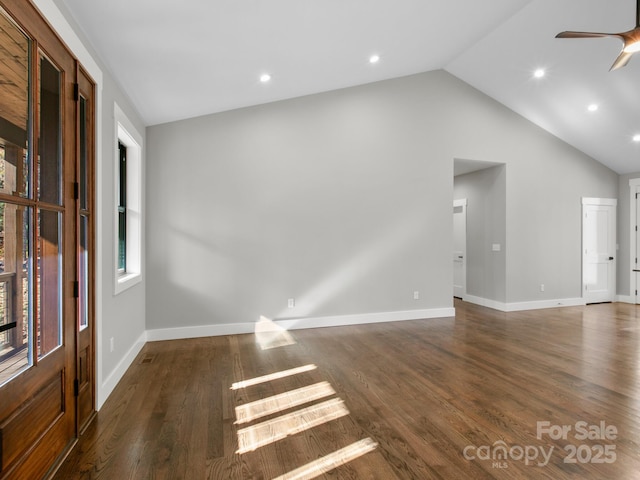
15 220
49 279
14 108
15 312
83 154
83 275
50 141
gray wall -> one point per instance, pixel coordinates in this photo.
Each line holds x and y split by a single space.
486 194
342 200
624 265
337 200
544 219
123 315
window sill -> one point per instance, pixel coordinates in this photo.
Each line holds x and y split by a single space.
126 281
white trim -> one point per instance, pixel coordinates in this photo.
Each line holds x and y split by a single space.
521 306
364 318
179 333
611 202
127 134
626 299
540 304
296 324
634 187
485 302
106 387
56 19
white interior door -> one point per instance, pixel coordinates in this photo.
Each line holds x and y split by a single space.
598 250
459 248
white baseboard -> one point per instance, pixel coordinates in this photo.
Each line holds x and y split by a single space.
116 375
485 302
540 304
298 323
626 299
178 333
364 318
520 306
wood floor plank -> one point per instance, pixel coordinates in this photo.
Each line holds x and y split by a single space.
424 392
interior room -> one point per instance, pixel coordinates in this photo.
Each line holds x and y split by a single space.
319 239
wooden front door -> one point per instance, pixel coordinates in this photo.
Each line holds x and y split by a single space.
43 333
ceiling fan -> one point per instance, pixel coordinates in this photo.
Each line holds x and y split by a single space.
630 40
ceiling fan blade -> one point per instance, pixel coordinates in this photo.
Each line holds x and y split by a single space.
621 61
585 35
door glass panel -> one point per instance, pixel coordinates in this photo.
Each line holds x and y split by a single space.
83 281
50 151
49 278
14 108
83 154
15 281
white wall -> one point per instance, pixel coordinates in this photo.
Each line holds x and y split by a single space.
119 317
342 200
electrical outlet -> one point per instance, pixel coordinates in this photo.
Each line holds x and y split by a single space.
291 303
416 295
111 344
542 287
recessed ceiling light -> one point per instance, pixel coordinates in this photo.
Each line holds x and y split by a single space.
539 73
593 107
636 137
265 77
374 58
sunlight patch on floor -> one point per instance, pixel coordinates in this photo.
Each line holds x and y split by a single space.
293 398
272 376
256 436
271 335
331 461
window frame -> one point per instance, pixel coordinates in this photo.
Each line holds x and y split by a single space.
128 135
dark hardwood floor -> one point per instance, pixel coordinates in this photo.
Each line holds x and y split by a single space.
446 398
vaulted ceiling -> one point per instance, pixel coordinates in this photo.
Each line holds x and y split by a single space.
183 59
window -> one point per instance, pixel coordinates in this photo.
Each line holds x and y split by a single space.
122 209
128 204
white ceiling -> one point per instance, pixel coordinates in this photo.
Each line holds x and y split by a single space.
183 59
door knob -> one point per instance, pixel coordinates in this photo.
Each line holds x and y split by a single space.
610 258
